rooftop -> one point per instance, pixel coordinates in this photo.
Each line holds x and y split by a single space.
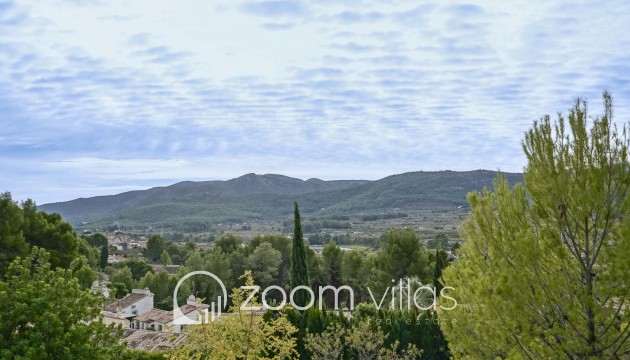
126 302
151 340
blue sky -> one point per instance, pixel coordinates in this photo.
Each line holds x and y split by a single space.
100 97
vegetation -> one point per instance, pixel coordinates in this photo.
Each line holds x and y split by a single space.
46 315
299 267
544 270
241 335
198 207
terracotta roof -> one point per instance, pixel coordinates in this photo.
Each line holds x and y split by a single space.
151 340
187 309
125 302
161 316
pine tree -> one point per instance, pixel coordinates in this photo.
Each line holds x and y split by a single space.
104 256
165 258
299 269
544 267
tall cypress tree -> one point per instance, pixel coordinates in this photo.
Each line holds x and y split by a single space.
299 269
104 256
440 263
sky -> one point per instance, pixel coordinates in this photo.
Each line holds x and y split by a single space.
100 97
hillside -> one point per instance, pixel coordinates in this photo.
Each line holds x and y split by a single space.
270 197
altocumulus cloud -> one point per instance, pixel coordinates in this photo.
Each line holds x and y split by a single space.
98 97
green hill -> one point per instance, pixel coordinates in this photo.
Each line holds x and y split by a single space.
270 197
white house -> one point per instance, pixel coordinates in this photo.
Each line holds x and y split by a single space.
162 320
111 259
137 303
96 288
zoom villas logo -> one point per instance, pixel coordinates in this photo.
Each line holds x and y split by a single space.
403 296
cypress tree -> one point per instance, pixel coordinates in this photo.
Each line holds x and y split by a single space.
440 264
299 269
104 256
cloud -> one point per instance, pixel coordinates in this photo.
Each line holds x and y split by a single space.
273 8
278 26
111 102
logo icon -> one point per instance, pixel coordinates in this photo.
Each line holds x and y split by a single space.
180 318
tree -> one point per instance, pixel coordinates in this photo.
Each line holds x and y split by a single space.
281 243
119 290
264 263
241 334
162 286
441 261
440 241
155 246
123 276
400 256
299 268
228 243
12 242
544 266
85 274
45 314
97 240
137 267
332 259
165 258
363 340
50 232
104 256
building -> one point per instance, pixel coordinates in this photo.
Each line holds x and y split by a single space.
137 303
112 259
162 320
96 288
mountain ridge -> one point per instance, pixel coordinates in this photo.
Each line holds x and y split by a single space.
270 196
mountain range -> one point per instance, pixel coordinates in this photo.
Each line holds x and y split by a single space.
271 197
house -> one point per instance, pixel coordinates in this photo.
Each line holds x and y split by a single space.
138 302
162 320
116 318
111 259
96 288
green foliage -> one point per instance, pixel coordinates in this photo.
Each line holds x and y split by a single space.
439 242
90 253
198 204
362 341
441 261
12 242
264 263
103 257
394 215
401 256
142 355
45 314
239 335
165 258
543 271
97 240
281 243
299 268
122 276
119 289
85 276
228 243
137 267
155 246
48 231
162 286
